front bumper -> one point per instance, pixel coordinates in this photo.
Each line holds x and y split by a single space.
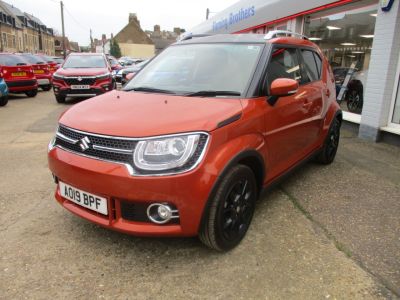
187 192
63 89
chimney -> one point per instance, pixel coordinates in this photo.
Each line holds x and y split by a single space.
157 28
133 18
103 37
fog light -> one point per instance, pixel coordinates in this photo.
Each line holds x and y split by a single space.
161 213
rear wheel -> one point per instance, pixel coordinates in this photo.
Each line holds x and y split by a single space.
60 99
331 144
31 93
3 101
46 87
231 210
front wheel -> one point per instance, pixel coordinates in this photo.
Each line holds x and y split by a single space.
60 99
3 101
230 210
31 93
331 144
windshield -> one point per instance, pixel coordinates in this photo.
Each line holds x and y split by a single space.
192 68
33 59
58 60
11 60
85 61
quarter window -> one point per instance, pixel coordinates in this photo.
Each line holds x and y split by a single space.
310 65
284 64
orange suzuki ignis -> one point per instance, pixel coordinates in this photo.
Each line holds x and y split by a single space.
187 145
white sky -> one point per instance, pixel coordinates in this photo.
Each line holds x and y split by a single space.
105 16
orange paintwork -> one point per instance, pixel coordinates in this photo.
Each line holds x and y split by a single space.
283 134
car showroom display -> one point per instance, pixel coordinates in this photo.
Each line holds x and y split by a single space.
189 143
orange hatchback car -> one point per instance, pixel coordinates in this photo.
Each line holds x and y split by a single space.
188 144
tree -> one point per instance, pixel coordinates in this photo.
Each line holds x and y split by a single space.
115 50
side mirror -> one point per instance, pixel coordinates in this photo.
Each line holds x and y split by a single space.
282 87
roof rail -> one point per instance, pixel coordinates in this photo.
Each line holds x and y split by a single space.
276 33
191 36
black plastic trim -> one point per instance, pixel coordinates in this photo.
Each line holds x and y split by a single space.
229 120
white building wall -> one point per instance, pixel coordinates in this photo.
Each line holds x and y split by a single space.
382 73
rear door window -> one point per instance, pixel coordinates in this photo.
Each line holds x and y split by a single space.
284 63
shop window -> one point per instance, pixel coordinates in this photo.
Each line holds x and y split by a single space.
345 36
4 36
284 64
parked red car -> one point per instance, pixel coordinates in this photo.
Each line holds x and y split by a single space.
18 74
189 143
41 70
83 75
51 61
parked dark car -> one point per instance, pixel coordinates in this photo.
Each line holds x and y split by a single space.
132 71
354 94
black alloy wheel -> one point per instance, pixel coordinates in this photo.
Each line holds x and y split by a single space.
60 98
353 102
328 152
231 210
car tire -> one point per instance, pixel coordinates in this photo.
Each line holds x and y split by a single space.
331 144
31 93
230 210
60 99
46 88
3 101
354 101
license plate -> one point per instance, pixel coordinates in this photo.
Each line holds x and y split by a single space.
85 199
15 74
38 71
80 87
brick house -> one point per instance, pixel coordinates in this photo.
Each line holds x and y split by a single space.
133 41
23 32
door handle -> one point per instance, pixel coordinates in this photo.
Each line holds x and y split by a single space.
327 92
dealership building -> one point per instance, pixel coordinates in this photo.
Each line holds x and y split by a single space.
361 40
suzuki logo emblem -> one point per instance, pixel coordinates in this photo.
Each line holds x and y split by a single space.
79 78
84 143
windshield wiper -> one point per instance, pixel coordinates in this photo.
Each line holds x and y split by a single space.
149 89
21 64
212 93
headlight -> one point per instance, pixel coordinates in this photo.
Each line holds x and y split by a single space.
177 153
103 76
56 76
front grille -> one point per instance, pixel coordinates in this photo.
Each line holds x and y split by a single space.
20 83
114 149
83 81
117 144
